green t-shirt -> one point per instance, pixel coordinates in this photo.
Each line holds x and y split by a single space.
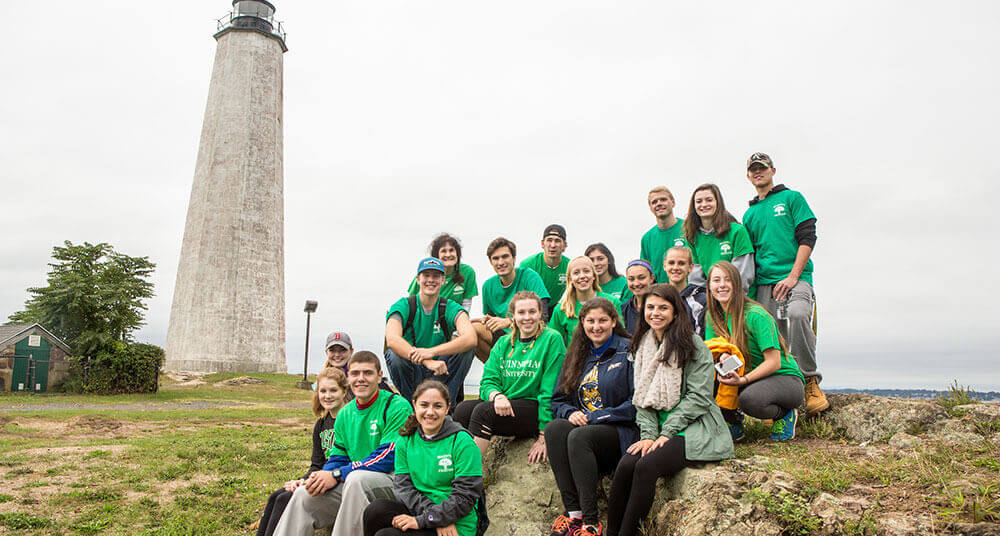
771 223
554 278
655 244
565 325
433 465
496 296
708 249
466 290
762 334
615 287
528 370
426 331
358 432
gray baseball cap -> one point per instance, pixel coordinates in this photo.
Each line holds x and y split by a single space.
339 338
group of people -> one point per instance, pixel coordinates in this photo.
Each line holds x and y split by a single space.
610 374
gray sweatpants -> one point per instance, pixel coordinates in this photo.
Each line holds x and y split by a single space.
343 504
772 397
797 329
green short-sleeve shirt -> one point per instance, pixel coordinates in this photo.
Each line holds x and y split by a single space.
708 249
496 296
426 331
615 287
554 278
566 326
771 223
452 290
358 432
762 334
434 465
656 242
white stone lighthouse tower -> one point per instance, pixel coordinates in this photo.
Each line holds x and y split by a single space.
228 313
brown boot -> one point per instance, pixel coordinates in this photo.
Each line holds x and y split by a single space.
815 399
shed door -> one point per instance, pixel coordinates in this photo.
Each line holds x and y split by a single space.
38 367
19 380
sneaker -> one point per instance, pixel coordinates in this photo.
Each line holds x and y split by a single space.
736 430
816 401
591 530
566 526
784 428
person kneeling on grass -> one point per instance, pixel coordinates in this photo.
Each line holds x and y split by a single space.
594 418
517 383
679 422
327 399
772 387
360 461
439 475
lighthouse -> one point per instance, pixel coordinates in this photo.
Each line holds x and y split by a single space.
228 312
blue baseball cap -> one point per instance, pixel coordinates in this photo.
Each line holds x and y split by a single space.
431 263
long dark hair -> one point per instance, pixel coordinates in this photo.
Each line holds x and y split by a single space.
445 239
736 310
411 424
612 271
720 220
579 345
678 337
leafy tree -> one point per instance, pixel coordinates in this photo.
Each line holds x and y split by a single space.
94 296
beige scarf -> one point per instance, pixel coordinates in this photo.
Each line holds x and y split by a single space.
657 385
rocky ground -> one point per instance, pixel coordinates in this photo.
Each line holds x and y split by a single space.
870 466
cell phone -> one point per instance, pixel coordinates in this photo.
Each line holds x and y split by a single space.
727 364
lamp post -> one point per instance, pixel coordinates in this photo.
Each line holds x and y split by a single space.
309 309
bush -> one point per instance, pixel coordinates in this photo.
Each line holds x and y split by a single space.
115 369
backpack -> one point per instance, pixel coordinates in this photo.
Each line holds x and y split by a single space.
411 304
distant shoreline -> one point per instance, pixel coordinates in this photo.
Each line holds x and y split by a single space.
984 396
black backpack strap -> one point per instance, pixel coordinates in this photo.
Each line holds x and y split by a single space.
442 321
385 410
411 305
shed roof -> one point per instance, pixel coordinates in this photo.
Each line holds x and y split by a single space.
9 334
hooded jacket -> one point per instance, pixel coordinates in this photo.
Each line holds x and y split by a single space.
465 490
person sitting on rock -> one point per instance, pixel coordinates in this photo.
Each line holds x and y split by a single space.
419 335
594 420
329 396
360 459
459 279
582 277
679 422
640 278
516 389
498 291
772 386
439 475
339 349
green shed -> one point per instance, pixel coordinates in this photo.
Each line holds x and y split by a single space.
31 358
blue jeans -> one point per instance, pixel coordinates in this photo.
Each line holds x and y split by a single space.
406 376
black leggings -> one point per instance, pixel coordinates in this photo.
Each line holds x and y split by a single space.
634 485
275 506
579 455
378 519
482 421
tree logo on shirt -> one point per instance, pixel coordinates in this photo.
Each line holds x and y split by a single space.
678 242
562 279
445 462
374 427
458 289
780 210
725 248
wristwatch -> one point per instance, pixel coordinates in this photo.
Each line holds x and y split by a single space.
336 475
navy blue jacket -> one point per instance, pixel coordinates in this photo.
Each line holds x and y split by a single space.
631 315
615 385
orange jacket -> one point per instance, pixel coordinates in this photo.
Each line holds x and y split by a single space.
727 397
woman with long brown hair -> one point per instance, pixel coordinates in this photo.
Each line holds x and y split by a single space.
593 417
679 422
439 474
715 235
772 385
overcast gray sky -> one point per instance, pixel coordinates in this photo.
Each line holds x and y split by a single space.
404 119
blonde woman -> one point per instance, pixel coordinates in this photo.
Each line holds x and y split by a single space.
582 285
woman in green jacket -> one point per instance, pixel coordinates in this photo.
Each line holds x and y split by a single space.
518 380
679 422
